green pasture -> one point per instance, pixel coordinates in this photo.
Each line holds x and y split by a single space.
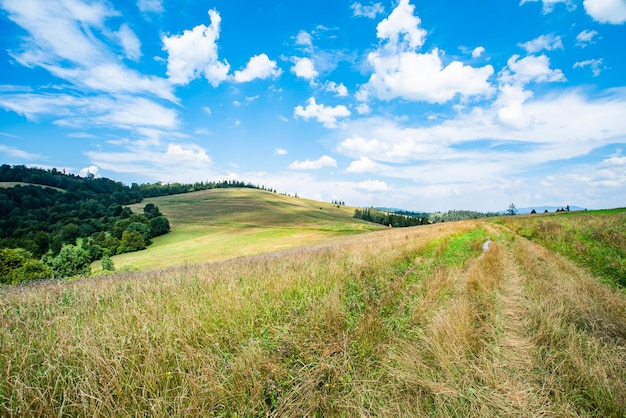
220 224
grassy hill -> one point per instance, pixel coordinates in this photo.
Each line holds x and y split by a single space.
419 321
9 184
219 224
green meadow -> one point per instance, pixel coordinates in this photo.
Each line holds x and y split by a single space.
416 322
220 224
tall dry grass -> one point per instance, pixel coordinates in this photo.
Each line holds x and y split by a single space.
402 322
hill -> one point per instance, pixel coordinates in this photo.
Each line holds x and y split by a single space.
217 224
418 321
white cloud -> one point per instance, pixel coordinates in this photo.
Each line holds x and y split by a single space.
423 77
172 163
137 112
194 53
280 151
60 40
370 11
401 72
326 115
559 127
93 169
615 161
375 186
362 165
510 104
585 38
606 11
130 42
543 42
530 69
322 162
304 38
207 110
304 68
340 89
478 51
548 5
259 66
401 27
150 6
596 66
190 153
18 153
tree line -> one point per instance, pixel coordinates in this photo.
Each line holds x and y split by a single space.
389 218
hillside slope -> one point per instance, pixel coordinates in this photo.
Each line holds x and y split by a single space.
226 223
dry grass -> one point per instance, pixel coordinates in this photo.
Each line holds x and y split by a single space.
401 322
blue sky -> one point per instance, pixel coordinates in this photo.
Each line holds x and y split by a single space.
419 105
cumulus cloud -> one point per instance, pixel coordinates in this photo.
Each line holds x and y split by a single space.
401 27
543 42
327 115
93 170
304 39
423 77
304 68
372 186
370 11
530 69
400 71
585 38
322 162
259 66
340 89
362 165
606 11
194 54
478 51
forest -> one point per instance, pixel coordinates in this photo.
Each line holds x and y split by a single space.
389 218
56 224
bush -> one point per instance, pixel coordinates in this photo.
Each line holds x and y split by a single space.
71 261
18 265
160 226
131 241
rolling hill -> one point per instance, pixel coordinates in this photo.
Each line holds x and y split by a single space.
219 224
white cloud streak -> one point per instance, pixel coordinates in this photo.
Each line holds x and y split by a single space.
322 162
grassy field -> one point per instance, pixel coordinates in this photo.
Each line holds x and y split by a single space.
10 184
400 322
226 223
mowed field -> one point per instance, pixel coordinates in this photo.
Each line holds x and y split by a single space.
219 224
425 321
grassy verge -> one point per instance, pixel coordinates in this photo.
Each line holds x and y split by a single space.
400 322
594 240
